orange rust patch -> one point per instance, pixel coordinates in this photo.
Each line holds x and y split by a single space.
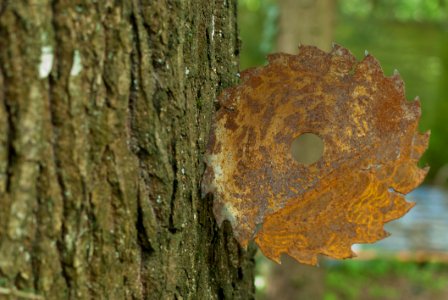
372 147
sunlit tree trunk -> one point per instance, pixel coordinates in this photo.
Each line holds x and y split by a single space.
308 22
437 151
105 108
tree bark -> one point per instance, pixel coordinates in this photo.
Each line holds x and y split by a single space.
101 158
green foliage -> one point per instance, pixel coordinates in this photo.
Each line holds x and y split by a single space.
330 296
354 279
401 10
382 292
258 27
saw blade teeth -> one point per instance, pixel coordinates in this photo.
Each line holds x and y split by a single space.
272 58
398 83
278 59
340 53
311 52
368 67
335 48
419 144
414 107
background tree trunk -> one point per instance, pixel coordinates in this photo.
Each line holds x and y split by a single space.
101 158
309 22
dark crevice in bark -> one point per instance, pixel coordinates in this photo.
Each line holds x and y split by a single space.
221 293
92 230
142 238
35 262
60 242
10 133
145 251
175 184
55 124
3 6
172 227
209 49
135 83
240 273
10 147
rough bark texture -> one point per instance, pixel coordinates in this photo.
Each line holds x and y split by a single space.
309 22
101 159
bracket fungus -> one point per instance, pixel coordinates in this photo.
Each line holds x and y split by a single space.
369 162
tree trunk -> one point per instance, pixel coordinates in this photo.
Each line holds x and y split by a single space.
101 158
309 22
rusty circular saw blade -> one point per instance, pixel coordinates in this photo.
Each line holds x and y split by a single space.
371 149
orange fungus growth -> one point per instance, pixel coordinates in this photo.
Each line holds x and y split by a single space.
371 147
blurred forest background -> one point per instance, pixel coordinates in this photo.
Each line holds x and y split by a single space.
412 37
